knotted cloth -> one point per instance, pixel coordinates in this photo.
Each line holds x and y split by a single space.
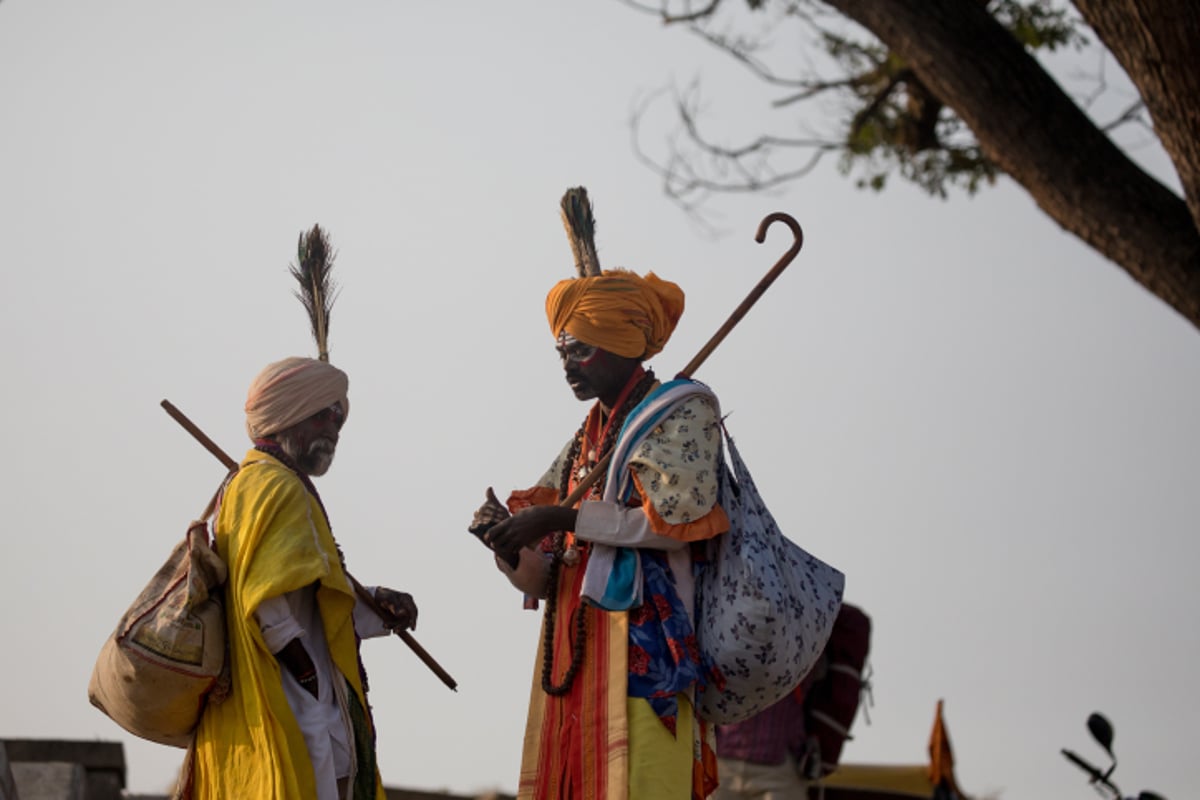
292 390
618 311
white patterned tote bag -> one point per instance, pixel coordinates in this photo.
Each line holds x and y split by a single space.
765 607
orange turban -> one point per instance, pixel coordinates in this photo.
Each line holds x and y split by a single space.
290 391
617 311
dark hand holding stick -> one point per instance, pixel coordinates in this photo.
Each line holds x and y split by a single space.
398 610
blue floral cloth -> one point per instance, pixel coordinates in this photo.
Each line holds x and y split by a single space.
664 658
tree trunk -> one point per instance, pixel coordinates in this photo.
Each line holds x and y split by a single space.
1026 124
1157 43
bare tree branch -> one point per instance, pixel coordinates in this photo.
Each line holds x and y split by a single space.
662 12
707 11
760 70
693 168
1131 114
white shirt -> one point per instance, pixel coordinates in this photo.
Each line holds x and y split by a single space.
324 720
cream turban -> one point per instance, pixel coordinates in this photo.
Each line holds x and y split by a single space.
617 311
292 390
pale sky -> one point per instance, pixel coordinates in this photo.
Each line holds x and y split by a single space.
987 427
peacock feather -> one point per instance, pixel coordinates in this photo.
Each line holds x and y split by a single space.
317 291
581 230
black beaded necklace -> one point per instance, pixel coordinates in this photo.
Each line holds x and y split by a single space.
576 457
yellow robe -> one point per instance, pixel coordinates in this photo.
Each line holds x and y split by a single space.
274 538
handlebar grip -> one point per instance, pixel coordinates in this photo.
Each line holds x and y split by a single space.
1083 765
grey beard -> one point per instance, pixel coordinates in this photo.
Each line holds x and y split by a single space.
314 460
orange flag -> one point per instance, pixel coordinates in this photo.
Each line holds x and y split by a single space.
941 759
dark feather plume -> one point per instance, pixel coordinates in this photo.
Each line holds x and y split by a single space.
581 230
317 291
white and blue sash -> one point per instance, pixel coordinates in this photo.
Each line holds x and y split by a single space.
613 577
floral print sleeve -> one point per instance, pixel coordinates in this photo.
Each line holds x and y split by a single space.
675 470
551 477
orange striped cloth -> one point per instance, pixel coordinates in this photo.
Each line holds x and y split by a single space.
577 745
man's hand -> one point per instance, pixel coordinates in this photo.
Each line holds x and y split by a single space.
397 609
488 515
295 659
527 527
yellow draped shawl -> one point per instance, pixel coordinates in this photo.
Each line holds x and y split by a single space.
274 537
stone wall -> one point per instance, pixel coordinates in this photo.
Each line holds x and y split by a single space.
8 788
54 769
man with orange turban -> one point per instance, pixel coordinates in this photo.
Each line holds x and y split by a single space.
297 724
611 711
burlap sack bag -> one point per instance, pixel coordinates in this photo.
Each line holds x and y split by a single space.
167 656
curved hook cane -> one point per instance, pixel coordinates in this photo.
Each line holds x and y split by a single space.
601 467
756 292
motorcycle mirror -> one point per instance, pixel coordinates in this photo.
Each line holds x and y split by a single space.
1102 731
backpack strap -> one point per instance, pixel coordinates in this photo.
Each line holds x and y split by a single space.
214 505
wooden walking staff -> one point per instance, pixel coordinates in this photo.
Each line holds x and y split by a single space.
602 466
359 589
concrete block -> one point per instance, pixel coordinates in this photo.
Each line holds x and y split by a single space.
50 780
93 754
8 786
103 762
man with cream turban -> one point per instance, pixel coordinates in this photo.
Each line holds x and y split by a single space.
297 723
611 707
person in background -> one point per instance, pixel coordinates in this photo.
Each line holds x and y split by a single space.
776 753
763 758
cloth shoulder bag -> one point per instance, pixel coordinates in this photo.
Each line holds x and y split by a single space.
167 656
765 607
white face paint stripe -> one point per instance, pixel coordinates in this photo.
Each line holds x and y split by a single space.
583 352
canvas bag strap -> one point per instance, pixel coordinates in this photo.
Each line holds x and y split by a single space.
214 502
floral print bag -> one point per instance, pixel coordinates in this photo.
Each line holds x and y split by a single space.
764 608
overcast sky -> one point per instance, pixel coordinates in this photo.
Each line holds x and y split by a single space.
989 428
